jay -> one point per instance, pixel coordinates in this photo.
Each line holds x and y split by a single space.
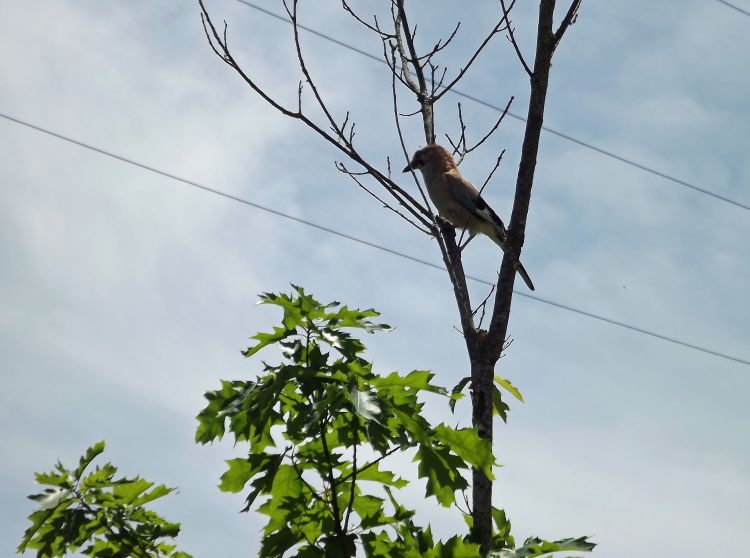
457 200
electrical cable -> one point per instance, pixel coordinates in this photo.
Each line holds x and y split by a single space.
368 243
497 108
737 8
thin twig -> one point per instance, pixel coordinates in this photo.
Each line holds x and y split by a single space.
492 130
353 175
331 481
483 306
371 463
301 60
354 474
418 212
374 28
440 45
400 133
495 30
512 37
489 176
313 492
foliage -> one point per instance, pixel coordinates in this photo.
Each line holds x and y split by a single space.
535 546
97 514
340 421
319 426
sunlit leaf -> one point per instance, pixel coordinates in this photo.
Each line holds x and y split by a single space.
510 388
365 404
538 547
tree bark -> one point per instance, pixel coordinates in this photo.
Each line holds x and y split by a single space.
484 359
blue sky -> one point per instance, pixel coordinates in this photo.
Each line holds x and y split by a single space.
127 295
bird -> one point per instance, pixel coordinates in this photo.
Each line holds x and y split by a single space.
458 201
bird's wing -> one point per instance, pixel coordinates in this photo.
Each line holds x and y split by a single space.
464 192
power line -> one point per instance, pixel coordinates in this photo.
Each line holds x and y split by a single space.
737 8
497 108
368 243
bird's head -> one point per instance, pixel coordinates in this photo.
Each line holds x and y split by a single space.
431 157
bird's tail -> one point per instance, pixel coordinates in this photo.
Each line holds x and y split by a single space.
524 275
499 239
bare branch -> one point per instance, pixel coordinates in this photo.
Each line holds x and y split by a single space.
396 70
354 176
440 45
411 205
222 51
460 147
466 501
407 114
482 306
525 178
293 17
210 40
489 176
435 85
568 20
425 100
374 28
408 79
394 98
492 130
511 36
495 30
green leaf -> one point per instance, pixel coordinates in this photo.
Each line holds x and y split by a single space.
537 547
277 543
340 546
365 404
416 380
501 537
370 510
466 443
100 515
126 493
373 473
286 486
441 470
456 547
510 388
377 545
411 421
239 473
88 457
156 493
499 407
266 339
456 392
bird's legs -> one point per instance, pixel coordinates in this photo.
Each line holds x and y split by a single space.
461 246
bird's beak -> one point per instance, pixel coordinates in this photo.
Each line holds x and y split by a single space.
407 168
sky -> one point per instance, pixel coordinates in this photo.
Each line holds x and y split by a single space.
126 295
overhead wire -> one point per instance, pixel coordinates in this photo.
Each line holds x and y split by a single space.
563 135
736 8
364 242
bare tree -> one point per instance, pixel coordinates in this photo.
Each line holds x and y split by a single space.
421 74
